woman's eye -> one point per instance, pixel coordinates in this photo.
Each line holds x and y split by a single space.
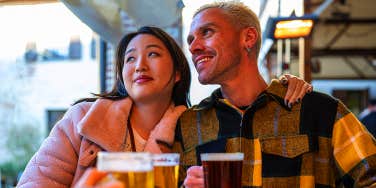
153 54
129 59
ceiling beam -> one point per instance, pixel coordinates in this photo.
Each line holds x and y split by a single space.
344 52
25 2
354 68
336 52
337 36
347 21
369 61
371 78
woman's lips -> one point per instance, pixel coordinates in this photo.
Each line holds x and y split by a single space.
142 79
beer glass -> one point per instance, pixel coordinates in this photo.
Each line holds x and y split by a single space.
134 170
222 170
166 170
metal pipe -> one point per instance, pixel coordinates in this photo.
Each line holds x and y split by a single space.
322 7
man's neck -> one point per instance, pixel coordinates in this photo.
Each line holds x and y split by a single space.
245 87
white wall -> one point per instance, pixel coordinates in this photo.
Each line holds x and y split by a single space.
327 86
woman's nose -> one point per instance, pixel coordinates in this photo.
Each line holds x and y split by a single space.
141 65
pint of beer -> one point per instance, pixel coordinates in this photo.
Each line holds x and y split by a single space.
166 170
222 170
134 170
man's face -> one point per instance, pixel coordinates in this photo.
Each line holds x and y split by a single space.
215 46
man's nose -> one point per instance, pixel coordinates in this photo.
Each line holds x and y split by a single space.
196 45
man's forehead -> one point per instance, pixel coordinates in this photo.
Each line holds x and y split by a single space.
210 15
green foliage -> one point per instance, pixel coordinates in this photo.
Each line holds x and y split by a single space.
20 132
22 142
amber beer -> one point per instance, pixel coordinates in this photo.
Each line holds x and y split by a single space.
166 170
134 170
222 170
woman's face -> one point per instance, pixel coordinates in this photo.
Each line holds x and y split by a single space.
148 69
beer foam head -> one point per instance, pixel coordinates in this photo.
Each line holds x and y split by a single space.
124 162
164 163
222 156
166 159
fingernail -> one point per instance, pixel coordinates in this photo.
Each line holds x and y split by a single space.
289 105
286 102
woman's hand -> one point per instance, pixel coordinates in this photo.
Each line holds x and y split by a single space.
93 178
195 177
296 88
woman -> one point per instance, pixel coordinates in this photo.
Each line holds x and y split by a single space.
139 114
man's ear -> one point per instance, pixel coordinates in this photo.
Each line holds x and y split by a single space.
250 36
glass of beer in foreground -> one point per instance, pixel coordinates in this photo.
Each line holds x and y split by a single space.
222 170
134 170
166 170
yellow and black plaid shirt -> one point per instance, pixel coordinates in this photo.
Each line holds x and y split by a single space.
316 143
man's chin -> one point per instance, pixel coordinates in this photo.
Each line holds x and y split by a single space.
204 81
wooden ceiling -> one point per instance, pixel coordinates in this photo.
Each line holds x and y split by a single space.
343 41
25 2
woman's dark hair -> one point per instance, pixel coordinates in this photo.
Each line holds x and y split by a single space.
180 93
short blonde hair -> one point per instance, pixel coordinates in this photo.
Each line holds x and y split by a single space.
240 15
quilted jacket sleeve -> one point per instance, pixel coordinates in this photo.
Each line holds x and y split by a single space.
54 164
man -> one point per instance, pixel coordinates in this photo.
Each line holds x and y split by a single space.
316 143
369 117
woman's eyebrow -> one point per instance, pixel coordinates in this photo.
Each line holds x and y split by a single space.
130 50
154 45
147 46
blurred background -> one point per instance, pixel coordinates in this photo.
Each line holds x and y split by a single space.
55 52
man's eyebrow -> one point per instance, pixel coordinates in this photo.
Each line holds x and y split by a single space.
209 24
202 27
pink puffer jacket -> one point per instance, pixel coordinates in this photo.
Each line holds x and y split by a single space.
75 140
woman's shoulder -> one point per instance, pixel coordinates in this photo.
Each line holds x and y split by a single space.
96 109
81 107
76 112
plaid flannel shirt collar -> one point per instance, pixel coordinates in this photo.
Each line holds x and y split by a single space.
275 91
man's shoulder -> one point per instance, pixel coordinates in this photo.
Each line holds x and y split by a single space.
320 101
324 104
317 96
278 89
205 109
196 109
206 103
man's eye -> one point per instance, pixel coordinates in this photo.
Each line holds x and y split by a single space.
207 32
190 39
